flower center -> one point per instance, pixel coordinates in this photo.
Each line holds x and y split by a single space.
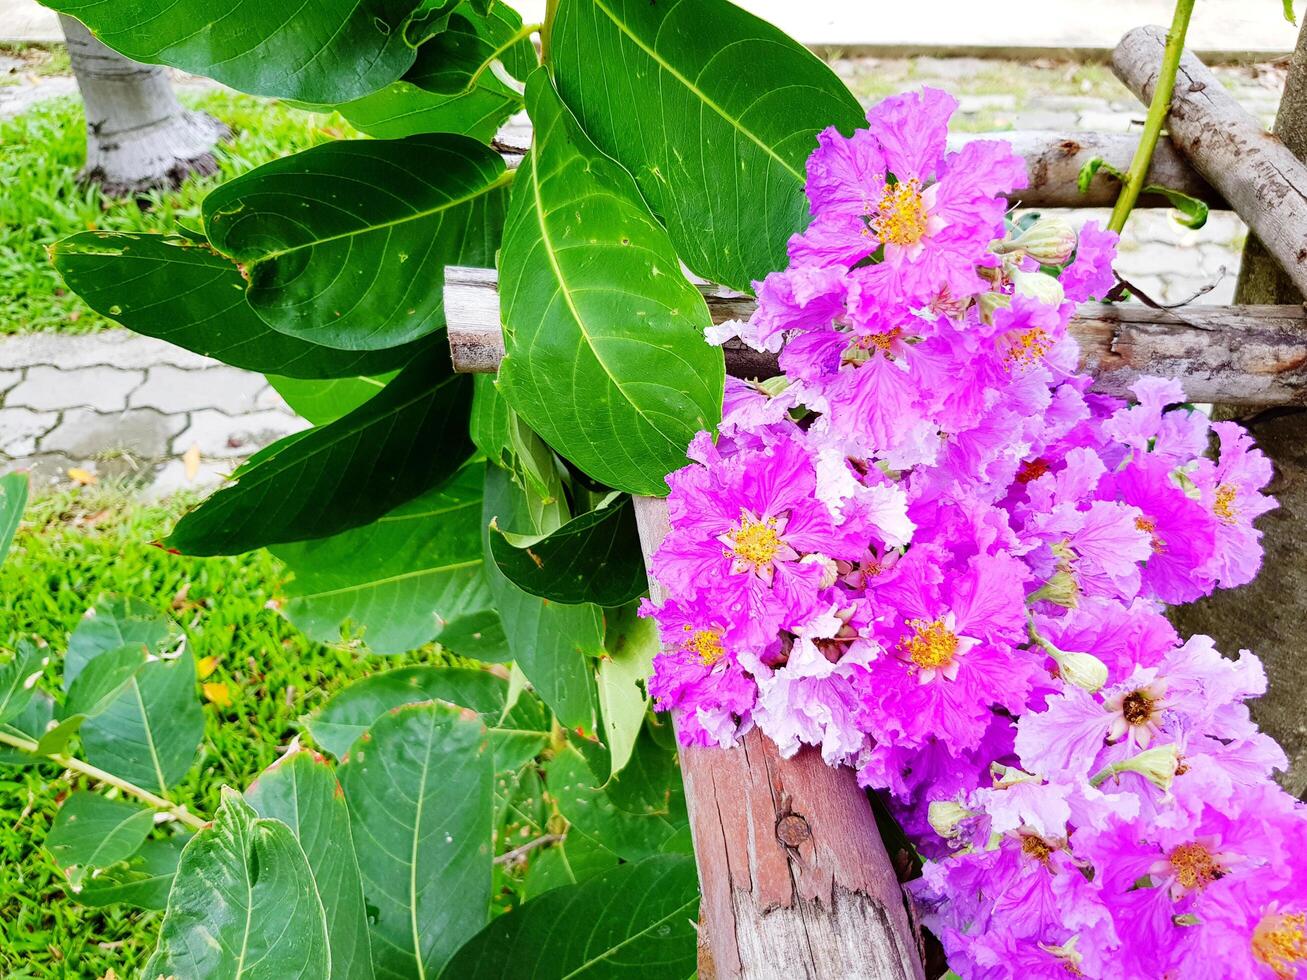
1223 507
756 541
1149 527
931 645
900 218
1280 941
1137 708
1032 469
706 645
1036 847
1195 867
1028 347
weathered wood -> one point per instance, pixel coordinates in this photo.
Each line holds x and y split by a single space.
1251 169
1054 161
795 879
1243 355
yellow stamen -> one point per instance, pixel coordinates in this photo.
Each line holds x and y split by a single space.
900 218
1149 527
1280 941
1137 708
755 542
1223 507
1037 848
1195 868
1028 347
931 646
706 644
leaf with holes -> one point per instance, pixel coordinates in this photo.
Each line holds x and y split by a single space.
420 791
244 904
634 921
604 336
729 111
142 881
302 792
187 294
346 244
389 450
327 51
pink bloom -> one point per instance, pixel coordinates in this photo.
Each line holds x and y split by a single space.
1089 276
1231 491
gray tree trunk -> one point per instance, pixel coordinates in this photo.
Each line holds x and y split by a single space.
138 136
1270 615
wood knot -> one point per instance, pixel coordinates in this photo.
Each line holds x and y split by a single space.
792 830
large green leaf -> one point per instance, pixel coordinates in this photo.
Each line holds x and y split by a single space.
550 642
604 336
322 402
635 921
401 579
630 645
729 111
13 498
402 442
18 677
517 733
326 51
346 244
420 795
92 692
113 622
302 792
592 558
93 831
453 85
567 862
150 733
183 292
29 723
143 881
244 905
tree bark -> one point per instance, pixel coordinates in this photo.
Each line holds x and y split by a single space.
138 136
1269 616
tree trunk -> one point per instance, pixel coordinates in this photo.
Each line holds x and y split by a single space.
1269 616
138 136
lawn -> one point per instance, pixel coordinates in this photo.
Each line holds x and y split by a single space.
74 547
41 152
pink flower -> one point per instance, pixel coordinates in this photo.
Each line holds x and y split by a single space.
1089 276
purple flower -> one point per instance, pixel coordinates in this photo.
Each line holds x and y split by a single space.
1089 276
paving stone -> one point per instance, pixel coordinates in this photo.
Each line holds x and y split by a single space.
7 380
172 389
221 436
143 432
269 399
46 470
1066 103
986 103
172 478
21 429
102 388
1109 122
110 348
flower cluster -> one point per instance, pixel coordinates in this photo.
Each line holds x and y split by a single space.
932 551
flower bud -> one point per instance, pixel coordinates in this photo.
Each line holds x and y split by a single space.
1157 765
1049 241
1061 589
945 817
989 302
1084 670
1038 286
771 387
830 571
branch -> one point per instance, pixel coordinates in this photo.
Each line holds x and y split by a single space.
517 853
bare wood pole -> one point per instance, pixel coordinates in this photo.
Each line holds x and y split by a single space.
1269 615
1257 174
1244 355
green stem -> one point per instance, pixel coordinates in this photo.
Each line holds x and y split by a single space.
1100 777
175 810
551 9
1157 110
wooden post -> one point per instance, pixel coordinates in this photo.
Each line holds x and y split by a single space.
1244 355
1269 615
795 878
1260 177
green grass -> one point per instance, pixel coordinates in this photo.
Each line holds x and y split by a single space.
42 151
73 547
38 59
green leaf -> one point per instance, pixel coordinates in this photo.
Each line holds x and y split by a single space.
635 921
244 904
402 579
93 831
729 111
1288 12
604 336
631 642
18 677
1189 210
113 622
567 862
322 402
517 732
143 881
327 51
491 417
402 442
592 558
176 290
302 792
550 642
100 682
420 795
13 498
346 244
30 723
640 809
150 733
